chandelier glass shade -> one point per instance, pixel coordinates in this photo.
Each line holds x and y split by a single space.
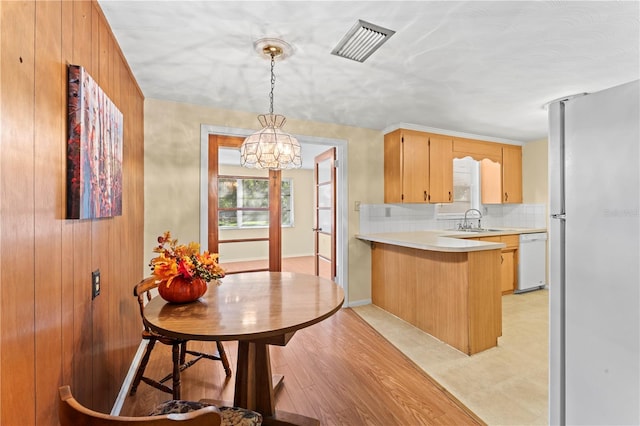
271 147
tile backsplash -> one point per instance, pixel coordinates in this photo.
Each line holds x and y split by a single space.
376 218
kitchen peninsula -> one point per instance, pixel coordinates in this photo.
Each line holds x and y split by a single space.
443 284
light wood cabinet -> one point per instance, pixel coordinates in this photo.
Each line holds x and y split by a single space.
414 149
440 169
477 149
501 179
508 261
418 167
490 181
454 296
507 269
511 174
406 167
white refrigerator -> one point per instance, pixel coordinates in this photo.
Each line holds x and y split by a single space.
594 258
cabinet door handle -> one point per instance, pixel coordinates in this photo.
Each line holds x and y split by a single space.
449 195
425 196
501 259
506 196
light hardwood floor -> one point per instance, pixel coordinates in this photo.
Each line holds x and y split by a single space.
506 385
340 371
300 264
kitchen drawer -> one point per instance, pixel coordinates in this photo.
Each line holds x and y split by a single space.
495 239
512 241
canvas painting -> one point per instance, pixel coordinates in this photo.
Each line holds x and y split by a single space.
94 150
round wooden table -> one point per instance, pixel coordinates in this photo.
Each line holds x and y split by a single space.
257 309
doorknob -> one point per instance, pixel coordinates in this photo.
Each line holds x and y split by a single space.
316 229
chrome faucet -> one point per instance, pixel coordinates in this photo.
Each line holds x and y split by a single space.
466 225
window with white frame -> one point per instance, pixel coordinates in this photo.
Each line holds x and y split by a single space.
244 202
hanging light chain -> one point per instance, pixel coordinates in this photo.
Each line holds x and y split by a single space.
273 79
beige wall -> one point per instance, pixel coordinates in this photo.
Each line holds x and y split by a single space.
172 174
535 172
535 176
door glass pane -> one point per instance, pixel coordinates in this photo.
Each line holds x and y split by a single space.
228 156
227 218
227 193
254 218
324 195
324 171
247 255
324 245
286 202
255 193
324 220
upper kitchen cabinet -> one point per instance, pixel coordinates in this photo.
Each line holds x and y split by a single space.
418 167
478 150
511 174
440 169
500 169
406 167
490 181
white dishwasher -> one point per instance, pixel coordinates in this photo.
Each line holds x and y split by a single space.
532 264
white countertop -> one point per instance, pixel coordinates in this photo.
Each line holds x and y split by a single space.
446 240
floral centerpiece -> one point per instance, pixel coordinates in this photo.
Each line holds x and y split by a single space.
182 270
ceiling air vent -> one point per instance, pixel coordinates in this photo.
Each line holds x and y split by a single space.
361 41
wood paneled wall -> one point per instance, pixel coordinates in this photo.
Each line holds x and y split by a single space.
51 332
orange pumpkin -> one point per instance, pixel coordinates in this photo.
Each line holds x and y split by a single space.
182 290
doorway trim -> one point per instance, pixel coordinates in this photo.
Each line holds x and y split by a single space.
342 219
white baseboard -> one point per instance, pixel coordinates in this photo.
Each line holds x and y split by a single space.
359 302
126 384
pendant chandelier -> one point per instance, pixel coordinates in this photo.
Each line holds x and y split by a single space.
271 147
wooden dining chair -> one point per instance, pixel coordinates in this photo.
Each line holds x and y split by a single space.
72 413
142 291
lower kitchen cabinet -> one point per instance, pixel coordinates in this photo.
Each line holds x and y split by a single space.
509 265
454 296
508 271
508 261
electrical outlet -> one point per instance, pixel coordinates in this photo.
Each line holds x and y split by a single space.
95 283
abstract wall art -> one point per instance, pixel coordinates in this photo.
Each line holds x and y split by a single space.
94 150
